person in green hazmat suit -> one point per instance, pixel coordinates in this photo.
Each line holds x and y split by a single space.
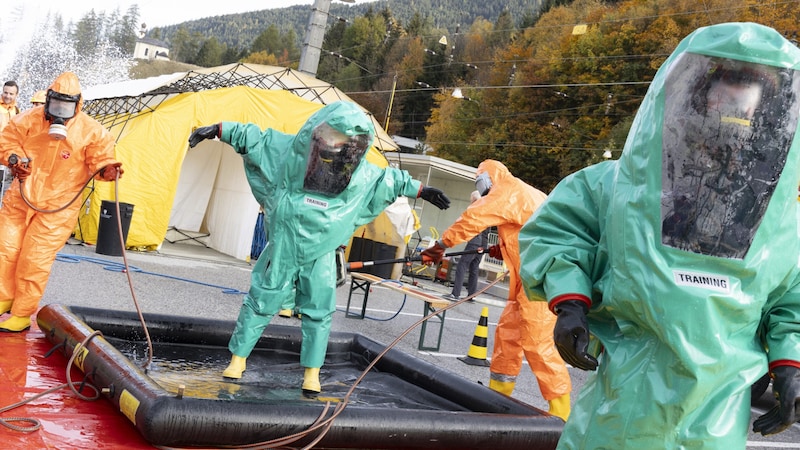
316 189
674 271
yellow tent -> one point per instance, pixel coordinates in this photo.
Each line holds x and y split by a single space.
203 189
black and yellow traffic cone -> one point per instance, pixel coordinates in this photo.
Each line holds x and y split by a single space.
476 356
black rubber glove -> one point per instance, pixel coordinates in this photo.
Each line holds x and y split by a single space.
786 387
571 334
203 133
434 196
433 254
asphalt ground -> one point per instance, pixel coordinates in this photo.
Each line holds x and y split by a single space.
193 281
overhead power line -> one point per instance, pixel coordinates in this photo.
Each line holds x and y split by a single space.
428 87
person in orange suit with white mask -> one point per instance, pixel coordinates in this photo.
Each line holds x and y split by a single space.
525 327
52 153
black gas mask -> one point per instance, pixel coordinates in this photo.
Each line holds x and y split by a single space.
483 184
58 109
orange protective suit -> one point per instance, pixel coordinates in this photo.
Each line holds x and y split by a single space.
525 327
7 112
29 239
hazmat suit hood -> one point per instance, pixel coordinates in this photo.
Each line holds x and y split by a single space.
332 144
679 152
495 170
62 103
687 247
67 84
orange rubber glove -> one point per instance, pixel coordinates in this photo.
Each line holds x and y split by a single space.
112 172
433 254
20 171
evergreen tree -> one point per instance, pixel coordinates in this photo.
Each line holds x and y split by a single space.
269 41
88 32
289 44
210 53
184 46
124 31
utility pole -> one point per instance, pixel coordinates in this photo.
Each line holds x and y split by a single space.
315 33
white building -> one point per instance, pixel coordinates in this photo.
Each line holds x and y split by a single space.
148 48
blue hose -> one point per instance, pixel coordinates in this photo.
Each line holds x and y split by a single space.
119 267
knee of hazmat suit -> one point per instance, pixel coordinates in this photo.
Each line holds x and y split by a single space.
685 248
316 188
63 145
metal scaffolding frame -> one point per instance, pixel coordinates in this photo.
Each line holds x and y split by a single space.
111 111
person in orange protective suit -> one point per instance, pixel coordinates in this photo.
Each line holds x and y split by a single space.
8 103
525 327
38 98
52 152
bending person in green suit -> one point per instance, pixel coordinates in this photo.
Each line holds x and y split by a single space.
316 189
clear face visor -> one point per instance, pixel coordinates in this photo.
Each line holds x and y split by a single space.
733 103
728 126
328 142
333 158
483 184
61 109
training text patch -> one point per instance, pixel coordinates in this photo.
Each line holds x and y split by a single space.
702 280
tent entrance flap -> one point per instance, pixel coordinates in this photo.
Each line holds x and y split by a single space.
198 174
212 190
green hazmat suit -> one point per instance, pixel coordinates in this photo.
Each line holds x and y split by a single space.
686 249
304 228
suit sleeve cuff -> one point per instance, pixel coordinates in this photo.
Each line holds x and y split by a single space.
783 362
566 297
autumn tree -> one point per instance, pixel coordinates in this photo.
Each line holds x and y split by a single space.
261 57
575 79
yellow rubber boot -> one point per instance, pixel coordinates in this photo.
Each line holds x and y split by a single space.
15 324
285 313
235 368
5 306
503 387
560 406
311 381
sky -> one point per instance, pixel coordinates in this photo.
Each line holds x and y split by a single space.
154 13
